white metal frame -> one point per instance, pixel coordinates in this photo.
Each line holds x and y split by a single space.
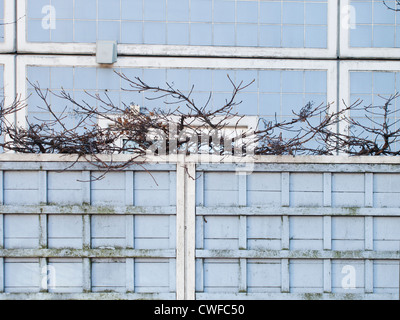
348 52
9 43
183 50
367 65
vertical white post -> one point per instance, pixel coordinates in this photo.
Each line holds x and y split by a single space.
190 231
180 231
185 226
86 262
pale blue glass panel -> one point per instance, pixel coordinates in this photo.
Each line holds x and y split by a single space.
201 79
315 81
178 79
108 10
381 14
154 33
316 13
247 11
361 82
178 33
201 10
34 8
39 76
249 104
270 12
178 10
270 104
270 81
383 36
221 81
224 11
132 9
292 36
108 30
315 37
361 36
36 32
270 36
90 33
291 102
200 34
63 31
293 13
64 8
85 9
247 35
108 79
363 11
224 34
62 77
155 77
85 78
155 10
131 32
292 81
384 82
247 77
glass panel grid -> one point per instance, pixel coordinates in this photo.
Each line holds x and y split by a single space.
372 88
374 25
242 23
273 92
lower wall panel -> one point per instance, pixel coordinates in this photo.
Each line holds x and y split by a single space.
295 234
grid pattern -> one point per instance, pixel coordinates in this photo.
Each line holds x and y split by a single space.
244 235
372 88
276 23
374 25
126 270
274 92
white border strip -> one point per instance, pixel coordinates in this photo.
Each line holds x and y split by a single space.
9 44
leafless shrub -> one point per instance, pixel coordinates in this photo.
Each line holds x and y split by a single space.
195 129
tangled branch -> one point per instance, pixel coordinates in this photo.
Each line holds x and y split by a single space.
102 127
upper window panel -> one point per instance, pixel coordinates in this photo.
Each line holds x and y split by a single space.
264 25
370 28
